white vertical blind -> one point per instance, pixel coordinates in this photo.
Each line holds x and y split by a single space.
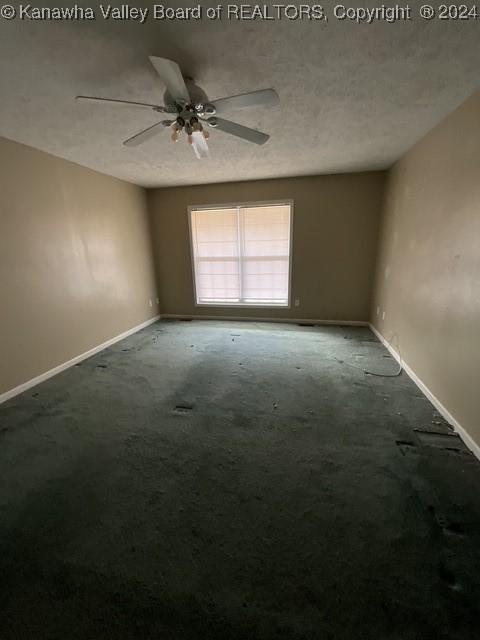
241 255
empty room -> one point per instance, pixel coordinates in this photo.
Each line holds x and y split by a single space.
239 321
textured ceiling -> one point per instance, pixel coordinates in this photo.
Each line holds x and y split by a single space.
353 97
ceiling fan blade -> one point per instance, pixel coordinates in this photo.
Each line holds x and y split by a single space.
235 129
128 103
144 135
171 74
200 146
255 98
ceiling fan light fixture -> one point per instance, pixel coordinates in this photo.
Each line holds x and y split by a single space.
200 146
177 127
195 124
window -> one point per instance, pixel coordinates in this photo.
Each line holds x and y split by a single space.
241 254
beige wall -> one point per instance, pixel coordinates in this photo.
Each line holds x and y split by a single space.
335 231
75 261
428 271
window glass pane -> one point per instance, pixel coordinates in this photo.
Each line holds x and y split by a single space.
266 230
216 233
266 278
218 279
215 254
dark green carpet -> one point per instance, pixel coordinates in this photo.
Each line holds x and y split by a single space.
211 480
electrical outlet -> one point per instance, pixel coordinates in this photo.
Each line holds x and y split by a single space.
383 315
297 302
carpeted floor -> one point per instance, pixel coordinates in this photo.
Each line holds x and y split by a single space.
213 480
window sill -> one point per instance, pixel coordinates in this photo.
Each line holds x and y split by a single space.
242 305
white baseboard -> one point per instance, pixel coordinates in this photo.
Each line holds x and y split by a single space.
66 365
442 410
353 323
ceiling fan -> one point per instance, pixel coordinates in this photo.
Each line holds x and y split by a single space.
190 110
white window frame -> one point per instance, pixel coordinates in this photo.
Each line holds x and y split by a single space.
235 205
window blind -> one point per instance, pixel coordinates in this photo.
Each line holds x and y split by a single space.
241 255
